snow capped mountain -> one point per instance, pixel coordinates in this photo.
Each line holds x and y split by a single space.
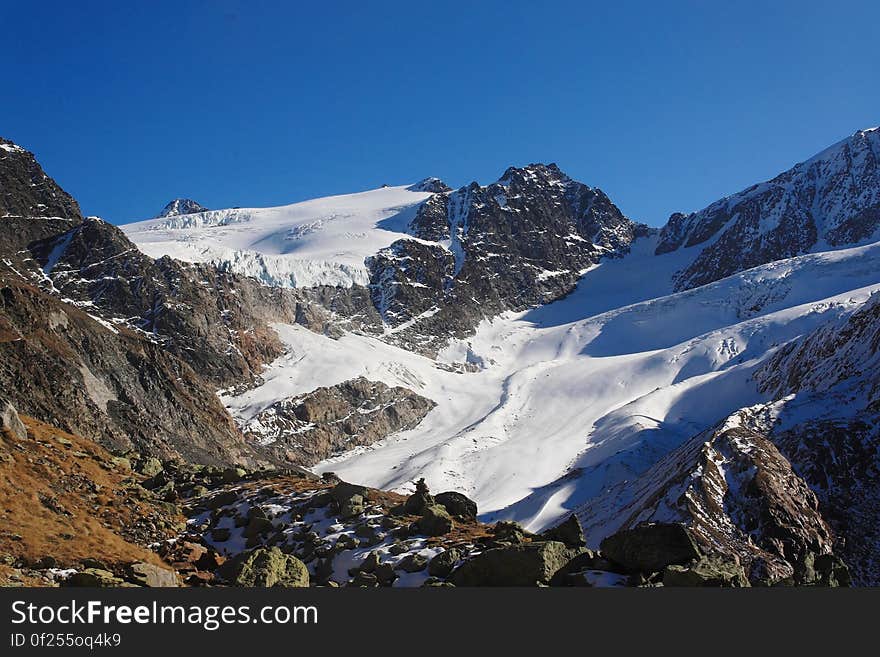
181 206
319 242
521 342
829 201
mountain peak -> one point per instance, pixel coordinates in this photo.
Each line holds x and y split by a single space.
26 189
430 184
181 206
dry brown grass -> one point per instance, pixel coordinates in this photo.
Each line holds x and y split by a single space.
64 501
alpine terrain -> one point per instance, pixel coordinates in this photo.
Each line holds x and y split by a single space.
501 384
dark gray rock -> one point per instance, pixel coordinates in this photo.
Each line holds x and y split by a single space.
444 563
650 547
569 532
435 521
457 504
707 571
309 428
530 564
413 563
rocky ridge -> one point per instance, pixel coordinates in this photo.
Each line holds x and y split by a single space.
832 199
479 251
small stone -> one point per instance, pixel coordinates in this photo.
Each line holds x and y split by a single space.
413 563
444 563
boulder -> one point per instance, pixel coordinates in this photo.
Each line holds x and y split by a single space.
352 507
457 504
707 571
385 574
444 563
413 563
150 467
266 567
435 521
587 560
146 574
344 491
651 547
221 499
364 580
508 531
529 564
568 532
9 420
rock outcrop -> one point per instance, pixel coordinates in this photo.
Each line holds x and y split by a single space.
311 427
725 493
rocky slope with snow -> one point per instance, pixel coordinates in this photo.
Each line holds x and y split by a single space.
829 201
106 342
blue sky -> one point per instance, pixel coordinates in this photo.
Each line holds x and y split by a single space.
666 106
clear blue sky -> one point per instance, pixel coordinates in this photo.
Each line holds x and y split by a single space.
664 105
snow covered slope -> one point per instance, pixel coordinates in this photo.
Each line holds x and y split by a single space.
319 242
574 396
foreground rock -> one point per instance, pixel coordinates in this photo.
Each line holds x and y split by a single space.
266 568
707 571
529 564
457 504
651 547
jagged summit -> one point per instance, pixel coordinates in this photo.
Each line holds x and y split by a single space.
26 190
430 184
181 206
828 201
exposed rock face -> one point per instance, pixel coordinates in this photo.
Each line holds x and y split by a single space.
181 206
521 241
26 190
111 385
433 185
834 374
838 459
311 427
738 497
106 342
215 321
834 196
9 420
841 357
569 532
